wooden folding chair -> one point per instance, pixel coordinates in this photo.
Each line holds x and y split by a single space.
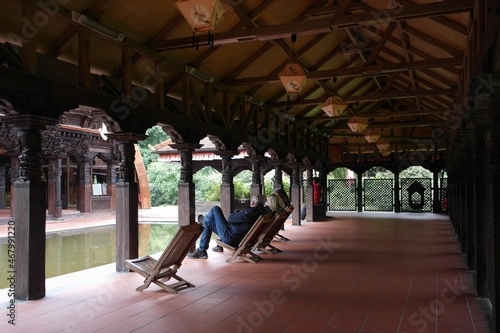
286 200
244 249
162 270
264 242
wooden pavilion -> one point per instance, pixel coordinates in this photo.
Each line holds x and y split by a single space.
316 85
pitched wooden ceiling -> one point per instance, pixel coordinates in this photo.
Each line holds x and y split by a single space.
399 63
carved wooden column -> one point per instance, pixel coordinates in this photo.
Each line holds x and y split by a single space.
84 184
310 195
492 155
30 207
295 193
397 198
187 200
324 187
359 191
127 200
54 187
110 183
481 119
52 149
9 141
227 185
278 175
14 164
256 186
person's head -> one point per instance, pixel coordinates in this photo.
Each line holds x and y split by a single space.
316 180
275 202
257 200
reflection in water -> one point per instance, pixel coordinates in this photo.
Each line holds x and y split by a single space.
78 249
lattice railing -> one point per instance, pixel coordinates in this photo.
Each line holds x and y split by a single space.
379 195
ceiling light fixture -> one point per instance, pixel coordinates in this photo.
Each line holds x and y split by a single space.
202 16
358 124
383 145
293 75
334 106
96 26
372 136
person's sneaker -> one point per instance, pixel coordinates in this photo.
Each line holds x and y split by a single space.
200 219
218 248
197 254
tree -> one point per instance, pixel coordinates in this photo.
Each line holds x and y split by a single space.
415 172
163 180
155 135
207 182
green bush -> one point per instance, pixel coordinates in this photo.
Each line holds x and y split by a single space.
163 180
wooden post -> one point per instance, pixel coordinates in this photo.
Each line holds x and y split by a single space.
278 175
127 201
84 184
310 196
227 186
30 208
187 201
256 186
295 193
2 186
54 187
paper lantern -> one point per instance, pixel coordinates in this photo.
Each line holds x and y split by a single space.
292 77
334 106
357 124
202 15
372 136
383 145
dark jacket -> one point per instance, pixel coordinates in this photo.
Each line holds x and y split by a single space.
241 221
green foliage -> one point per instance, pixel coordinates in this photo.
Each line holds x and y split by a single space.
207 182
155 136
415 172
339 173
379 173
269 183
242 183
163 179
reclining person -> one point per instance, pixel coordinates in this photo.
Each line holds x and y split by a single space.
231 231
275 203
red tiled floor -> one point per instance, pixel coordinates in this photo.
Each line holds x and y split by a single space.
357 272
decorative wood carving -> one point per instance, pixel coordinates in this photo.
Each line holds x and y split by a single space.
8 138
52 142
30 167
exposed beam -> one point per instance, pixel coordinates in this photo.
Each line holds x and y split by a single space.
371 70
320 25
371 97
398 125
386 113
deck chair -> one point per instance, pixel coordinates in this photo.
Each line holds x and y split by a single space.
282 194
162 270
264 242
244 249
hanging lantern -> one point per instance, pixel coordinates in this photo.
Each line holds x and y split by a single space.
371 136
386 152
383 145
334 106
357 124
202 15
292 77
